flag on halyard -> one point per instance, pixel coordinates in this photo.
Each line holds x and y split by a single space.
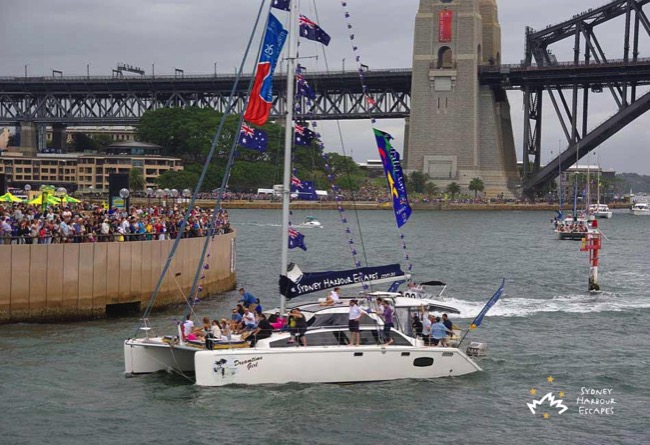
285 5
296 239
479 318
303 135
306 191
304 89
394 177
311 31
252 138
295 181
259 105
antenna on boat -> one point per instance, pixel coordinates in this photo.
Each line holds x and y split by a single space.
288 141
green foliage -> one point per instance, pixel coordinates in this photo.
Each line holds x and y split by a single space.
431 189
476 185
417 181
136 179
453 189
187 133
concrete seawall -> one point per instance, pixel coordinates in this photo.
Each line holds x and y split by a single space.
82 281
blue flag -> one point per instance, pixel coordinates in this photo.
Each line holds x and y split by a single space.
394 177
303 135
282 4
296 239
252 138
479 318
311 31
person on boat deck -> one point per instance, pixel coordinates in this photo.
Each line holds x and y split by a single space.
188 326
225 329
263 330
247 298
447 322
353 323
300 326
248 320
427 321
279 323
216 331
332 298
439 333
387 314
236 319
416 325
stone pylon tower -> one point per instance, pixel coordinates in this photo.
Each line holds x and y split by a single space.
459 130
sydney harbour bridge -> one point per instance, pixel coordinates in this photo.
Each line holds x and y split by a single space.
566 86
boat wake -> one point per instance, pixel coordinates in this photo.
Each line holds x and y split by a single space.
523 307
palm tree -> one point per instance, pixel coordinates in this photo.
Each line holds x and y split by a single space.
136 179
431 189
476 185
453 189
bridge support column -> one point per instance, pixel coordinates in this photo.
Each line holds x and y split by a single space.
59 141
28 138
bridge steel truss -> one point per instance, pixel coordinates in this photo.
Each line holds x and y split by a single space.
581 140
123 100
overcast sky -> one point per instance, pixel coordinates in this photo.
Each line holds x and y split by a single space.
193 35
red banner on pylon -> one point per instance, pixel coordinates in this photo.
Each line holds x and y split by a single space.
445 26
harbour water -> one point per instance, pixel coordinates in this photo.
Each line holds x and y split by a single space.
64 383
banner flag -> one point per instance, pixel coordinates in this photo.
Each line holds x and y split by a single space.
445 26
394 177
259 105
479 318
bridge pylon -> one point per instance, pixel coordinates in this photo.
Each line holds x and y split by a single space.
459 130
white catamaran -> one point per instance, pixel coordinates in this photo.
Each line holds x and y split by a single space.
325 352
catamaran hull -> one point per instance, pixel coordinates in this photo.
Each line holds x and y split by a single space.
323 365
573 236
603 215
148 356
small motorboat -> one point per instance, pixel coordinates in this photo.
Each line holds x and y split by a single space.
310 221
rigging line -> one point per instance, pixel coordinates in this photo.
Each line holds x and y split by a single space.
349 177
370 103
213 146
231 157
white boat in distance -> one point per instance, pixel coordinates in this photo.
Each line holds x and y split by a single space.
310 222
640 208
600 211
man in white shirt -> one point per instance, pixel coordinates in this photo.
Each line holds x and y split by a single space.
249 320
332 298
353 324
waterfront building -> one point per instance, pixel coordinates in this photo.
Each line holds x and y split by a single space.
86 171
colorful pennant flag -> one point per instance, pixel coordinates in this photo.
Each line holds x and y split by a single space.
479 318
259 105
252 138
311 31
394 177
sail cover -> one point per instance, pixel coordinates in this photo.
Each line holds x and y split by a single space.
297 283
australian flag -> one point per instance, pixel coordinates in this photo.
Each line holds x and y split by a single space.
282 4
304 89
305 191
311 31
303 135
296 239
252 138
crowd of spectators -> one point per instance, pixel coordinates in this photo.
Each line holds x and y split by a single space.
84 223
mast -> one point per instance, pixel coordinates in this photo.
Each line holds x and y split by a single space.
559 172
288 141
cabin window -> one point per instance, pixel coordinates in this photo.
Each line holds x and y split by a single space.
423 362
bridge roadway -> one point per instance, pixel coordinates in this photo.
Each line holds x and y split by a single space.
121 101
